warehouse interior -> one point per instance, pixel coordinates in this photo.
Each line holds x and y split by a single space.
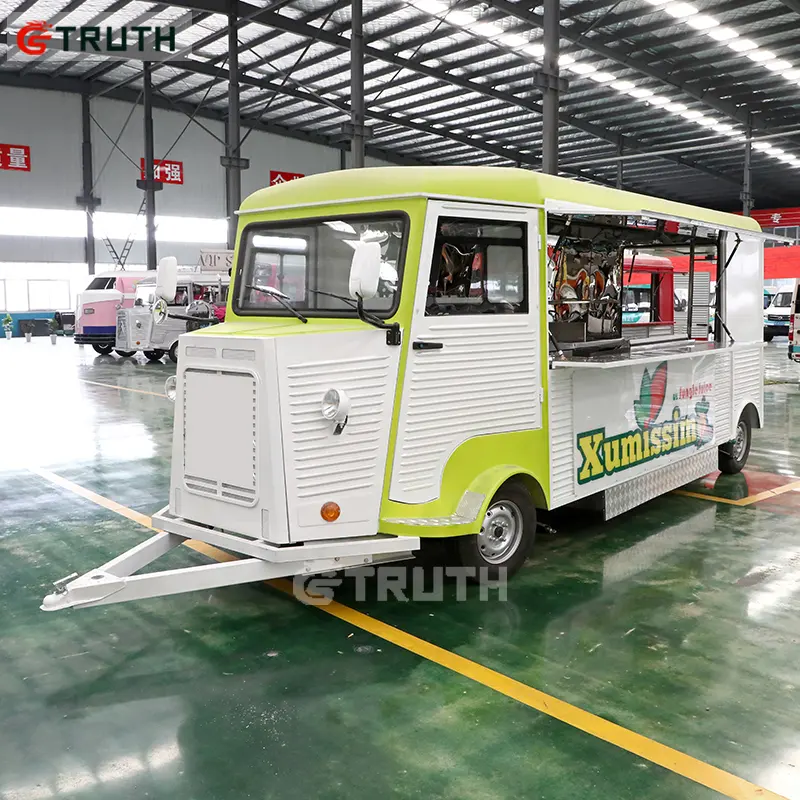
650 653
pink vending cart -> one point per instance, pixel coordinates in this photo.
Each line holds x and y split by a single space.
98 303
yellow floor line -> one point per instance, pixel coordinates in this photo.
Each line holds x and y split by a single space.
680 763
745 501
122 388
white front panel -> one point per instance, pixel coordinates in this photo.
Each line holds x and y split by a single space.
485 379
744 289
321 466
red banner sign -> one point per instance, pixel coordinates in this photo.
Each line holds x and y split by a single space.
16 157
776 217
277 176
166 171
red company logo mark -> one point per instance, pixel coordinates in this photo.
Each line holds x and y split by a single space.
32 39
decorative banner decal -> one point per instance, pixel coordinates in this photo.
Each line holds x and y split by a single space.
276 177
687 424
15 157
166 171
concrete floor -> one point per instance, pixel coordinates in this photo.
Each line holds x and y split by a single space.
679 622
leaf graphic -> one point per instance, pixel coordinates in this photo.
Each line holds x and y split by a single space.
658 391
641 407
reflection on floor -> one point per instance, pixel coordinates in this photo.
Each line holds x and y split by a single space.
679 620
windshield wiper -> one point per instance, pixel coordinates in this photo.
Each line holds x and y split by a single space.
352 303
279 296
393 330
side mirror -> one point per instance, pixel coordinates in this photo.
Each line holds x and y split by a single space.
365 270
167 278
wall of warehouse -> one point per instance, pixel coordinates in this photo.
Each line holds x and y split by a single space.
42 230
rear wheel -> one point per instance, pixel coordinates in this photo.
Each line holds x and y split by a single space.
505 538
173 353
733 455
154 355
125 353
103 349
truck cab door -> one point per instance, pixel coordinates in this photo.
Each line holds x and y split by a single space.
473 366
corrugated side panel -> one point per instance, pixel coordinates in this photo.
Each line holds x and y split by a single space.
324 464
748 380
562 437
484 380
722 398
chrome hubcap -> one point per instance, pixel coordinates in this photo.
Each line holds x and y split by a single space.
740 442
501 532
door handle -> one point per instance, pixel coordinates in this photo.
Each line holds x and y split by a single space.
427 345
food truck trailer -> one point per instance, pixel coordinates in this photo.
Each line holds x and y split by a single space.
439 375
196 294
97 307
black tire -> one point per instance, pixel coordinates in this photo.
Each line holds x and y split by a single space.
768 336
154 355
125 353
103 349
733 455
173 353
513 500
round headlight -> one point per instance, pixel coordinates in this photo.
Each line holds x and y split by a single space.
171 387
330 404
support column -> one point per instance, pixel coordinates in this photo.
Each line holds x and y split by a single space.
87 200
746 193
357 84
550 99
232 160
620 165
149 169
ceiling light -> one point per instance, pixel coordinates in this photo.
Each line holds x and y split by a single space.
657 2
459 18
706 122
582 68
658 100
722 34
623 86
703 22
761 55
787 158
680 10
433 7
723 127
778 65
761 145
774 151
565 60
676 108
691 114
513 40
536 49
640 93
742 45
792 75
486 29
603 77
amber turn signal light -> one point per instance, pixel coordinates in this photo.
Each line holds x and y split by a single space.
330 512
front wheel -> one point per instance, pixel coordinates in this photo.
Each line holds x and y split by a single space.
154 355
103 349
768 336
506 535
733 455
173 353
125 353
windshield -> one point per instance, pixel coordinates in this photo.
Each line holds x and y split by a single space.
304 259
101 283
782 300
146 293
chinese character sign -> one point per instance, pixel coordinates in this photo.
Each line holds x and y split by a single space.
278 176
16 157
166 171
